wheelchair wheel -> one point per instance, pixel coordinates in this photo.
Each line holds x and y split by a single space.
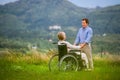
68 63
54 63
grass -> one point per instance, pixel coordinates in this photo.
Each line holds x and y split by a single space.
35 67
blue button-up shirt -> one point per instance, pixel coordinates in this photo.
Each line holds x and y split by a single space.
84 35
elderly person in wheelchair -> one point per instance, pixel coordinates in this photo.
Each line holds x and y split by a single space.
70 48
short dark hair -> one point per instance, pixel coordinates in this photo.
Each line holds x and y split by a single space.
86 20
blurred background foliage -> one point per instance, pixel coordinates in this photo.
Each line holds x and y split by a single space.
25 25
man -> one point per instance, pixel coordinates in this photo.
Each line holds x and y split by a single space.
83 39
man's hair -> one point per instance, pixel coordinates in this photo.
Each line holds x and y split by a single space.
86 20
61 35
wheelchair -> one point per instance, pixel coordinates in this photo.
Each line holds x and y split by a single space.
66 61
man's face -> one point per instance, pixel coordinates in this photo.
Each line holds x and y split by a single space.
84 24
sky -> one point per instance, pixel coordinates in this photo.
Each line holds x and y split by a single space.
6 1
82 3
94 3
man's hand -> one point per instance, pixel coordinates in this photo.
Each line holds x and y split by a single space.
83 44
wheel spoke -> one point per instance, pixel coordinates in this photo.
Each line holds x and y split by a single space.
68 63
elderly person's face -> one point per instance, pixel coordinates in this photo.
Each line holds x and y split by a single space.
84 24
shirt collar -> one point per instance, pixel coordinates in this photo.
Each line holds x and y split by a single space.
85 28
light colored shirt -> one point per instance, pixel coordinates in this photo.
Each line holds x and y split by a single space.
69 46
84 35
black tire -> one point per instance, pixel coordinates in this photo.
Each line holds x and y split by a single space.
54 63
68 63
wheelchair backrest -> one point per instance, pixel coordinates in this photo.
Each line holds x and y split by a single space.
62 50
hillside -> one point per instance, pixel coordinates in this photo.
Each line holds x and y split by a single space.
106 20
30 15
26 18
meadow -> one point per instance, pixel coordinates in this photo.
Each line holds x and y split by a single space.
35 67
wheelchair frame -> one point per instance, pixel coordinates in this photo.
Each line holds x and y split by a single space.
64 61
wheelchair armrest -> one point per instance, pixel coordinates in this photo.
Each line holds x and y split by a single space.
74 51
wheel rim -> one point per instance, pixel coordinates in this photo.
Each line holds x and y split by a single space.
54 63
68 63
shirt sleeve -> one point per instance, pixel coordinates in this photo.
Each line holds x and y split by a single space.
89 36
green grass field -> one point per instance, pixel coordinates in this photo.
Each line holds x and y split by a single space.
35 67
